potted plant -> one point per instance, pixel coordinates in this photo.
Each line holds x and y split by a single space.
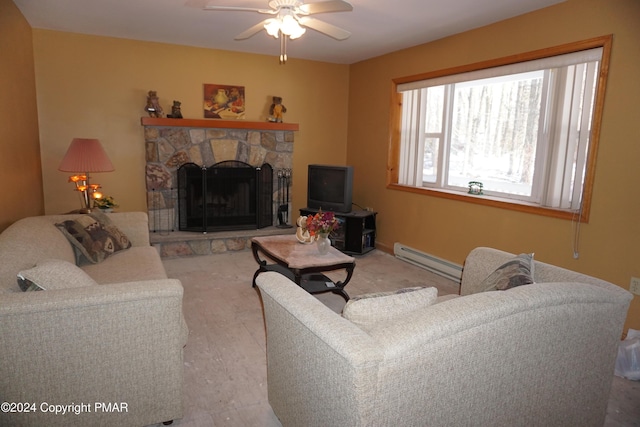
105 204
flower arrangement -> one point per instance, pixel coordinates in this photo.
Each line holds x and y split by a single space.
322 223
105 203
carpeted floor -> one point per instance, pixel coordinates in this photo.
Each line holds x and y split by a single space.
225 364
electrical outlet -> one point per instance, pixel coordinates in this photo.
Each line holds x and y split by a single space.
634 287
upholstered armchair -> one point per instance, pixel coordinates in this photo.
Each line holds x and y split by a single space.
535 355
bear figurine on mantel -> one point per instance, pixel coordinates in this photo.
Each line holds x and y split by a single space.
153 105
276 110
176 112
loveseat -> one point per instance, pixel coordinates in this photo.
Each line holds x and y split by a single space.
102 342
541 354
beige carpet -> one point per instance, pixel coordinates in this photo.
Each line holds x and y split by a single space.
225 365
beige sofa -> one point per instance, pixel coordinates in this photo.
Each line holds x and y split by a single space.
535 355
107 354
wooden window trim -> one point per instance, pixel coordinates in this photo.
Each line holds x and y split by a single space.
605 42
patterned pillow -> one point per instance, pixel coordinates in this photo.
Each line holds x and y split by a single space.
94 237
515 272
53 274
368 309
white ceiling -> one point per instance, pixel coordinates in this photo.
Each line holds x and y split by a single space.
377 26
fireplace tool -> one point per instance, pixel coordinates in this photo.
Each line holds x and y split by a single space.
162 219
284 181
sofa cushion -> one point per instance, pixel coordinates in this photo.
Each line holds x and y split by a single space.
517 271
135 264
368 309
94 237
53 274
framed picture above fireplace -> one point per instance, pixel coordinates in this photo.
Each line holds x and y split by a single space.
223 101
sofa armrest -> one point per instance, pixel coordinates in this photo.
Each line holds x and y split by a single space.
478 265
311 353
104 343
134 224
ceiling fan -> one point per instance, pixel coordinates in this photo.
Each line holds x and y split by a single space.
291 18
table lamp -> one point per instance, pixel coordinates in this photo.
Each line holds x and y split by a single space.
84 156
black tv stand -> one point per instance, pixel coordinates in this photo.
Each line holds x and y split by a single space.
357 232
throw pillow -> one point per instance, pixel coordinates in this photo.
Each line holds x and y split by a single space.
53 274
368 309
515 272
94 237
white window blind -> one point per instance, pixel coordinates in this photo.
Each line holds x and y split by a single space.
560 145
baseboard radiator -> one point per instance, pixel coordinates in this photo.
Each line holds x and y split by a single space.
427 261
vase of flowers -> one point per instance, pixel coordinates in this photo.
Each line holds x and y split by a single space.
323 243
321 225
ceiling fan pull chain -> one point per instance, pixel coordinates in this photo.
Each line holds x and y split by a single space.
283 49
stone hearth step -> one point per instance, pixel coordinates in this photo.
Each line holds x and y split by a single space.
176 244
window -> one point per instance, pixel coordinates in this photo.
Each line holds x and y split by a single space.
527 130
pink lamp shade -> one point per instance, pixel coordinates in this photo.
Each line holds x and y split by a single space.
85 155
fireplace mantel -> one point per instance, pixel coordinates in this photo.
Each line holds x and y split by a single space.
217 123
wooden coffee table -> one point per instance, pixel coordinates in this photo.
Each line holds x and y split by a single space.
302 263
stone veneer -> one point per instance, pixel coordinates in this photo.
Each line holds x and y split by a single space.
169 147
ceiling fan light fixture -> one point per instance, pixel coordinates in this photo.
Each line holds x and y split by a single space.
290 26
272 26
286 25
299 31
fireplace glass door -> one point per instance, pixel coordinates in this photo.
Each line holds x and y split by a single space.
227 196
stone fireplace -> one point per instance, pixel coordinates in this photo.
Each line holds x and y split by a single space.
172 143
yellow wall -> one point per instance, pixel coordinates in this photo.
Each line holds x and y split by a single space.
609 245
20 170
96 87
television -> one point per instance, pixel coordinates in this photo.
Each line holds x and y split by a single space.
330 188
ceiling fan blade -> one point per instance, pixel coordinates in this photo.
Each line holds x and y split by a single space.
325 7
325 28
241 9
251 31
